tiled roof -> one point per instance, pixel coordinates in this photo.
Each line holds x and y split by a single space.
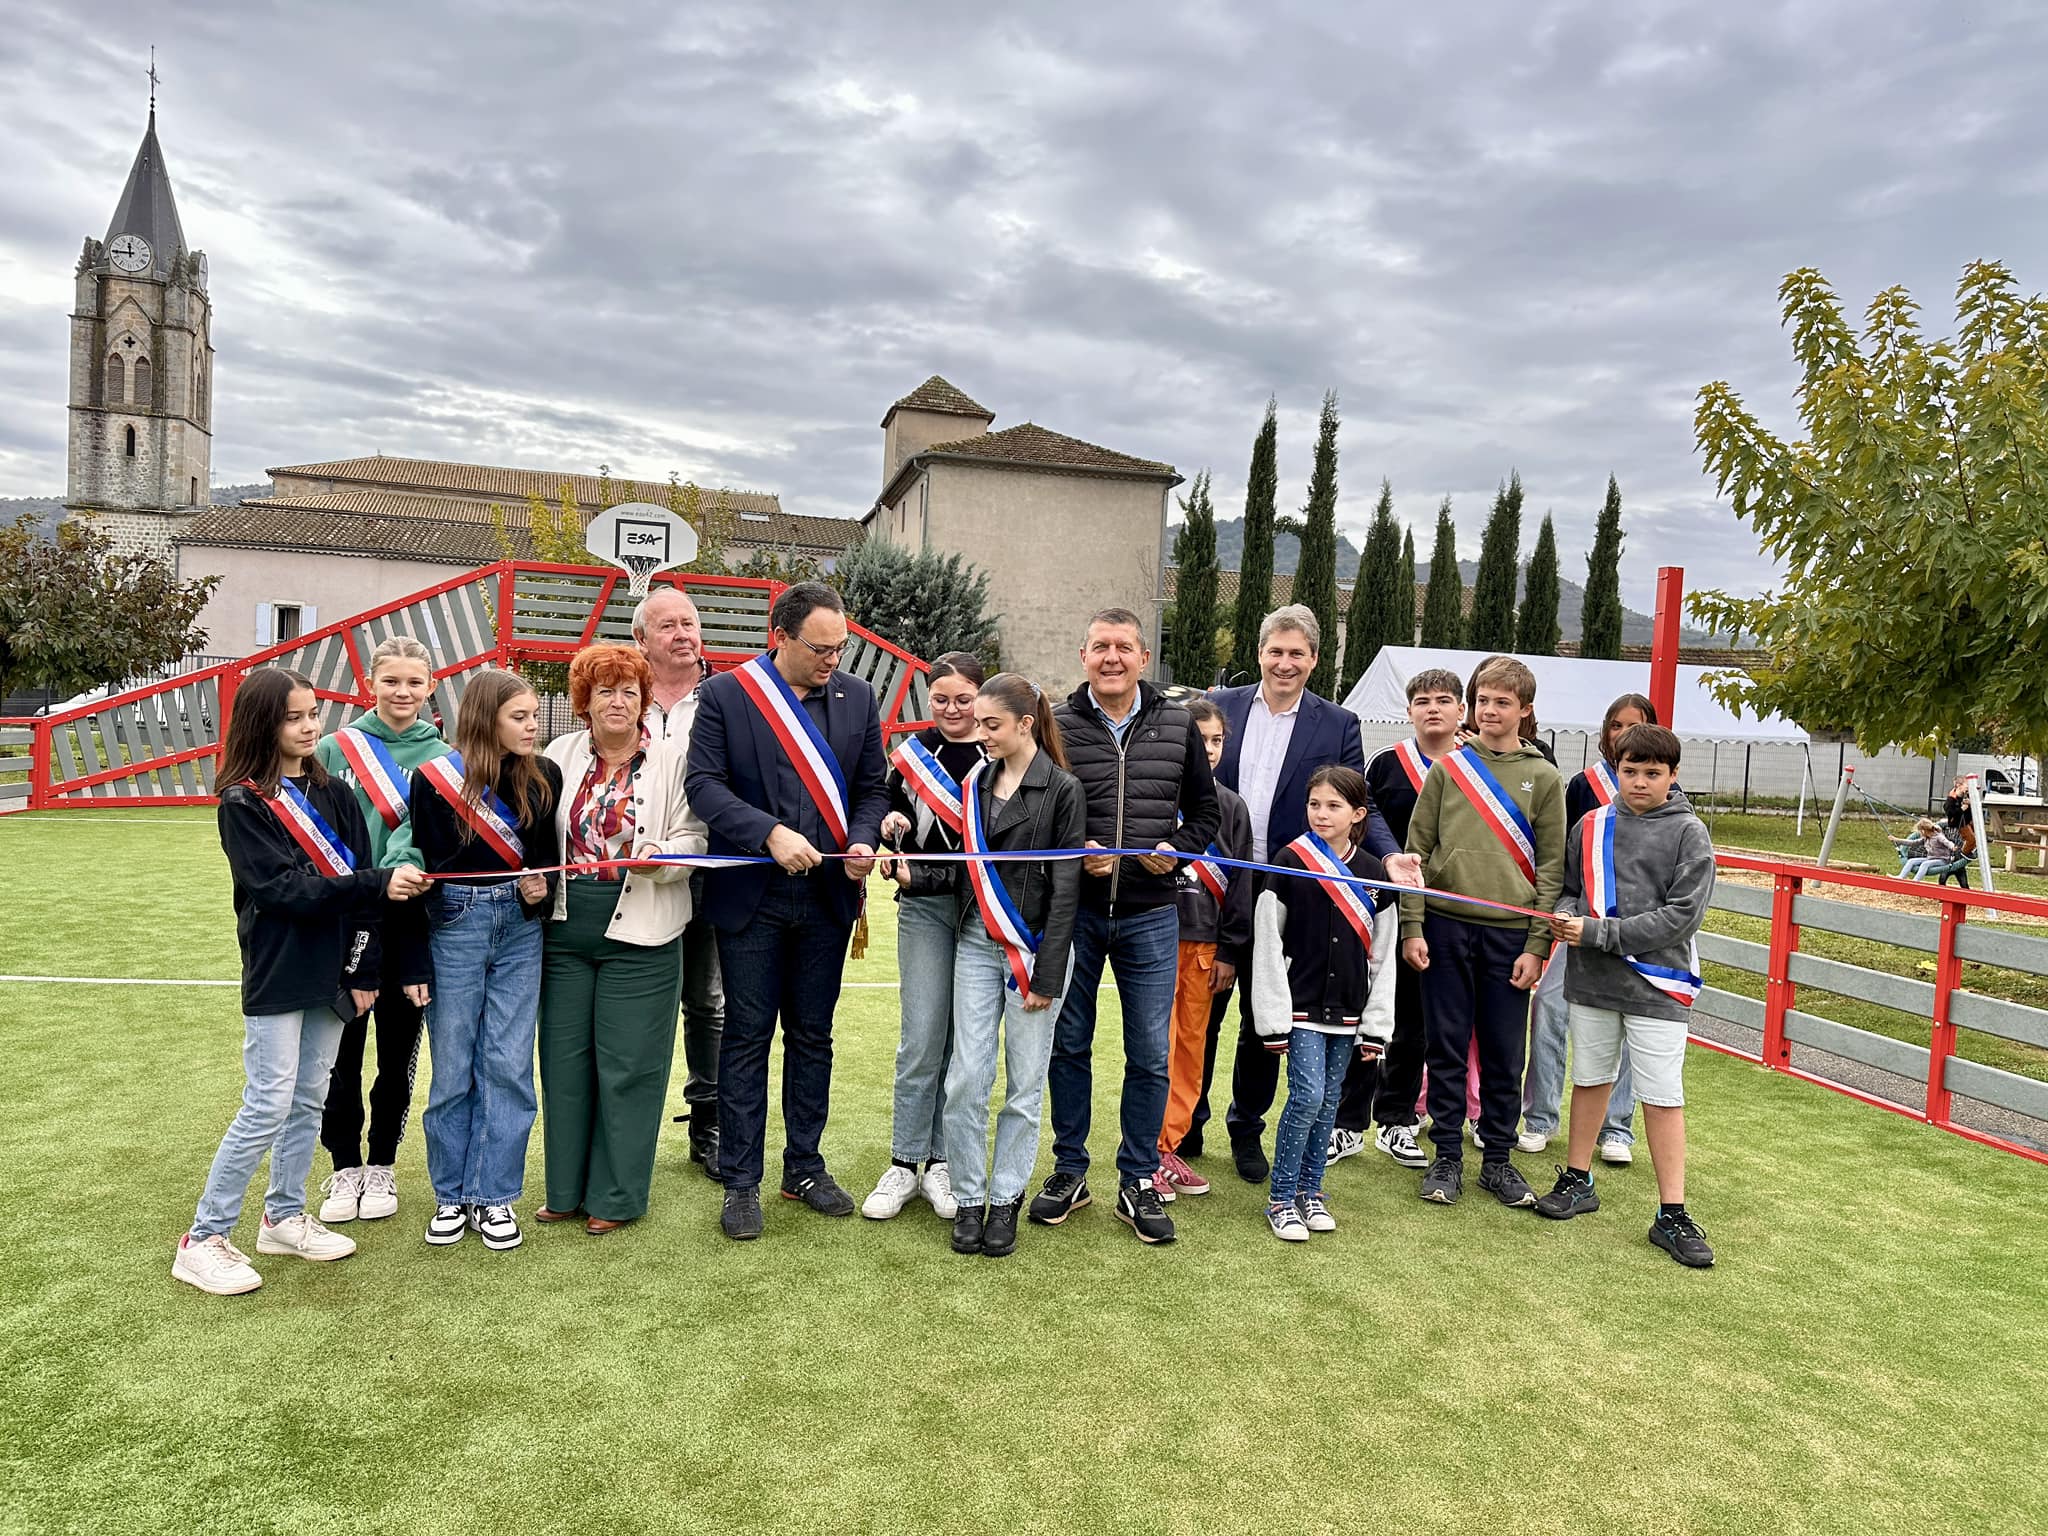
429 475
1283 589
935 394
1689 655
1037 446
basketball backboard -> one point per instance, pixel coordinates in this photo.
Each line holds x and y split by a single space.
640 538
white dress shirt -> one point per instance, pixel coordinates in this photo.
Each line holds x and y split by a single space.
1259 760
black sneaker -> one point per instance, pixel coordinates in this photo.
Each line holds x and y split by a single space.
1250 1158
999 1237
967 1229
1682 1238
1505 1183
1062 1195
704 1141
1572 1195
740 1217
820 1193
1444 1182
1138 1207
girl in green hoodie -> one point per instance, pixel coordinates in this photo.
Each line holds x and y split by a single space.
375 756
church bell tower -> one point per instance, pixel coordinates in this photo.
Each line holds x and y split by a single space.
141 442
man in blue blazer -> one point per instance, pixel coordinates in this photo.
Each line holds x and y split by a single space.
1279 734
783 929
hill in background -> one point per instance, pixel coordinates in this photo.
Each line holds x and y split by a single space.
49 510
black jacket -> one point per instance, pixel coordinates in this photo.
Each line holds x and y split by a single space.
928 834
1392 795
437 834
1226 924
307 938
1136 791
1047 811
1310 970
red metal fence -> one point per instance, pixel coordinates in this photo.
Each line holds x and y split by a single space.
155 745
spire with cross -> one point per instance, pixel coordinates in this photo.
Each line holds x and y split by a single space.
153 80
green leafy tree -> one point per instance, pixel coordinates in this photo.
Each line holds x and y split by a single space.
1536 631
927 603
74 615
1378 606
1493 588
1191 648
1600 619
1255 564
1443 604
1407 609
1909 520
1315 578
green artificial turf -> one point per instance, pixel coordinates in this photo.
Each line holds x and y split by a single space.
1867 1356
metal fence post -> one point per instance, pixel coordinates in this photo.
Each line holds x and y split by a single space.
1941 1045
1777 1052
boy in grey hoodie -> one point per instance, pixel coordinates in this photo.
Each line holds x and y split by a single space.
1636 881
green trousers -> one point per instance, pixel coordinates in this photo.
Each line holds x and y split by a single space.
607 1036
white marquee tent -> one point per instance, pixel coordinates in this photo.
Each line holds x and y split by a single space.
1571 694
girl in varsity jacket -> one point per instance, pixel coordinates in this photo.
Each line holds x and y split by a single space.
1322 986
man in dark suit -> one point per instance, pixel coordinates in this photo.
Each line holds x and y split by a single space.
786 760
1280 733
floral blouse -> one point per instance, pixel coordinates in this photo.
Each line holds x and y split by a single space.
601 816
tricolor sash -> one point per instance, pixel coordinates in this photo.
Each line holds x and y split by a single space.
383 781
1352 903
1596 841
1495 807
999 912
1600 779
926 778
493 820
1212 876
801 741
1413 763
309 829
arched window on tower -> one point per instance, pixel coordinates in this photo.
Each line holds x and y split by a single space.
193 499
131 441
117 380
142 395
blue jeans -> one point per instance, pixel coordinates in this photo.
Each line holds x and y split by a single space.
984 1006
1144 948
286 1061
1315 1084
925 926
480 1031
1543 1086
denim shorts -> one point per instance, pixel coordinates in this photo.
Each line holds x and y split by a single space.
1656 1048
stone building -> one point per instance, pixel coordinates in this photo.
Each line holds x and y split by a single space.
141 394
1062 527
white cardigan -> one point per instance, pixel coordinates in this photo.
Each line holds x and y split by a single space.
654 904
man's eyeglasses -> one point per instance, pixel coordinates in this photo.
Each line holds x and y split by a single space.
821 650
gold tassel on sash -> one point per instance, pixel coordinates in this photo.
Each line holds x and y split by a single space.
860 930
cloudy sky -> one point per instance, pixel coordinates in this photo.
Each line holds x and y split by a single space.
720 239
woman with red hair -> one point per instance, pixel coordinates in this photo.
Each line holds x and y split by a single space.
612 976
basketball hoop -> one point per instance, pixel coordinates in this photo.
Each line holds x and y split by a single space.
640 539
640 571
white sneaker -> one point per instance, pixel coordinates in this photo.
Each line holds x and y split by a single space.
1345 1144
344 1189
215 1265
1314 1214
303 1237
448 1225
1531 1141
380 1194
891 1194
1287 1223
1398 1142
937 1187
1614 1150
496 1225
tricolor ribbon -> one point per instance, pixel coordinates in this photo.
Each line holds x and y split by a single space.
309 829
377 771
999 912
492 819
1316 855
1413 763
1600 779
926 777
1596 837
1495 807
1206 869
801 741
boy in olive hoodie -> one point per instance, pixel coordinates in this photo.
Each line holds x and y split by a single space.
1489 823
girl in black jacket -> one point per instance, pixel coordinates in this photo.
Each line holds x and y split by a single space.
306 894
1011 966
925 775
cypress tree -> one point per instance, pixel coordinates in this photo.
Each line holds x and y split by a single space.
1493 589
1315 578
1536 632
1376 606
1443 605
1407 608
1191 650
1255 565
1600 621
